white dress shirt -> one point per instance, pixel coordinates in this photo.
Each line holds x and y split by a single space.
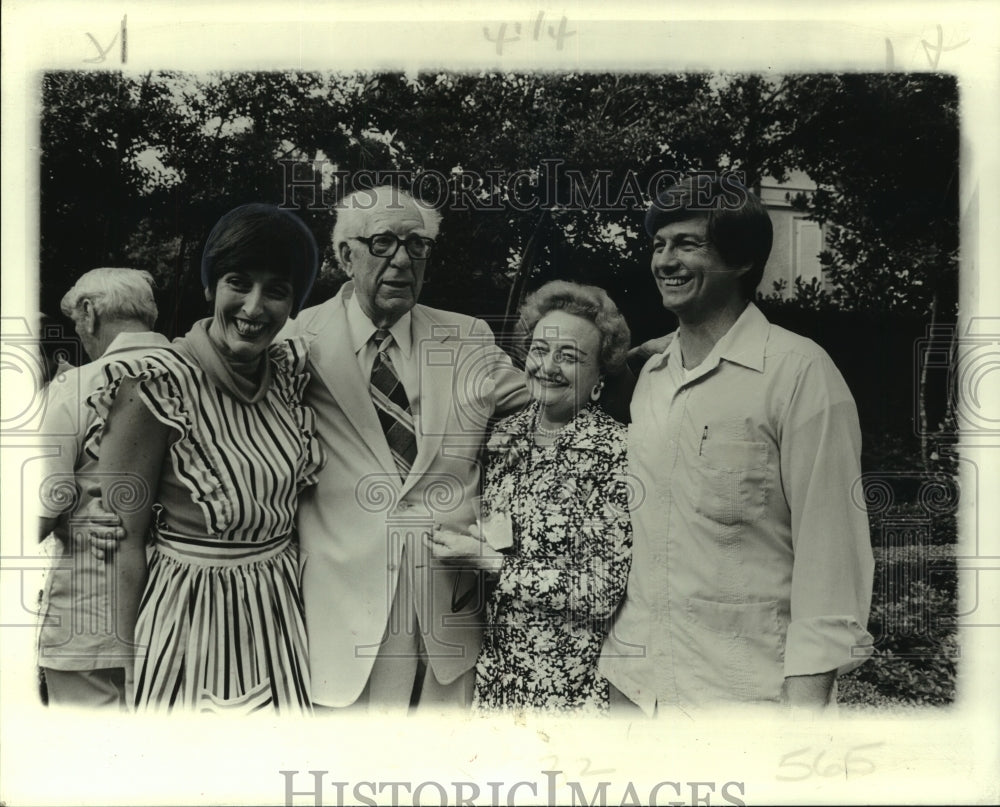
752 559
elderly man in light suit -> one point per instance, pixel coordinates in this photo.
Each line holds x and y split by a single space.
402 395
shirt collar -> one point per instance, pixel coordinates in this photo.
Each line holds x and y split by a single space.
361 328
743 343
128 340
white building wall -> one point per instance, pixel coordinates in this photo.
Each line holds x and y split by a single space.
797 241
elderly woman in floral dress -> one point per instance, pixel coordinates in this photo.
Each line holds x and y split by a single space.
556 490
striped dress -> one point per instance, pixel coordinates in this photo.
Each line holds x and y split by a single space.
221 625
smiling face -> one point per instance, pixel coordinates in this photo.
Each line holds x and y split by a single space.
386 287
250 308
694 282
563 364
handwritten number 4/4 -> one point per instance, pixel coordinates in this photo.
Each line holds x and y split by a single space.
502 39
851 765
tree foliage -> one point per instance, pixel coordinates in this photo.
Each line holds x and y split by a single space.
136 169
883 150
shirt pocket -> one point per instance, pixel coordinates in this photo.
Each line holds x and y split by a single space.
741 647
733 479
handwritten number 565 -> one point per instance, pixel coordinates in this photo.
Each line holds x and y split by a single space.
852 764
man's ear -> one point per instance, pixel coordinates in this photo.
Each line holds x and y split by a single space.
88 317
344 256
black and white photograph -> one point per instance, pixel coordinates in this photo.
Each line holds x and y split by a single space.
453 404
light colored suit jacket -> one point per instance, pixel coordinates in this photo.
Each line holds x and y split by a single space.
354 523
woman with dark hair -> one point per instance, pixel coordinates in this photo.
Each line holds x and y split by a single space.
555 525
212 445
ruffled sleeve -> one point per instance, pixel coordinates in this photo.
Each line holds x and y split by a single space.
161 377
288 359
171 388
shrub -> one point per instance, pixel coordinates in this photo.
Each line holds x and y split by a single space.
915 654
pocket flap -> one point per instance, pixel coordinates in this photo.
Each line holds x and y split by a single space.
734 619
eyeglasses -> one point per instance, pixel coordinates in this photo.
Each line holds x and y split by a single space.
386 245
539 351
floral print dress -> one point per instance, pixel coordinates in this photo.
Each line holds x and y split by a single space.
566 573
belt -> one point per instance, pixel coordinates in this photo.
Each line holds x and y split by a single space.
207 551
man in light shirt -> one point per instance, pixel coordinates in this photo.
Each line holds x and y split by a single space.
82 658
752 569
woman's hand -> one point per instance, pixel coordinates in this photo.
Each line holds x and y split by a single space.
462 548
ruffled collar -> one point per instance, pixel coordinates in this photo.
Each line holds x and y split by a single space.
201 349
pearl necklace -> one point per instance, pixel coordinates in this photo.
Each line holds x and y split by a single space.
548 432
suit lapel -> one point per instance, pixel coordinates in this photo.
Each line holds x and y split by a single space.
336 365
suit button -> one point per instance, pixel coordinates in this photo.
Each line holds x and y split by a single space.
393 567
404 505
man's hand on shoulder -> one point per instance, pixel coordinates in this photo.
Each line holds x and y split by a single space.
640 354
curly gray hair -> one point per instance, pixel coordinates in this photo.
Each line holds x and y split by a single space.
592 304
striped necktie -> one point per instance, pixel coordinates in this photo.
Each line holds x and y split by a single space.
392 407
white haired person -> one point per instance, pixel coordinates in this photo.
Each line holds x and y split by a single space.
82 658
556 489
402 393
215 433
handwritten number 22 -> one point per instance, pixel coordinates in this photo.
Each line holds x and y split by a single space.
585 771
